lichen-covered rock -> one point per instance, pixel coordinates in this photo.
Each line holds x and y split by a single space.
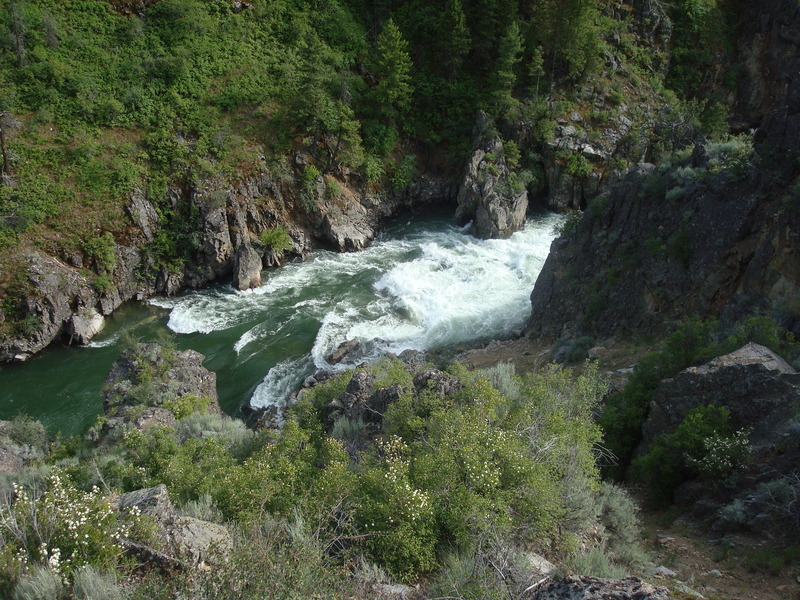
594 588
182 541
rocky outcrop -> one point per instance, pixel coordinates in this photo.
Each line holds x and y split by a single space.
150 374
181 541
247 273
594 588
489 195
761 392
57 292
699 239
768 48
757 386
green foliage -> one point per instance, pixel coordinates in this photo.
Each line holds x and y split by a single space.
686 452
25 431
578 166
63 528
570 224
393 68
277 239
186 405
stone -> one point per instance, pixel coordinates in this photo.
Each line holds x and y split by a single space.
185 541
247 268
662 571
142 214
486 195
593 588
85 325
687 591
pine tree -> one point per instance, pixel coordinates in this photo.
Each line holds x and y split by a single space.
393 70
508 55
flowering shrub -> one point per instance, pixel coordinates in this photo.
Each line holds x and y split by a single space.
63 528
724 454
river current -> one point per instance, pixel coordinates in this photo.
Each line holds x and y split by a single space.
423 284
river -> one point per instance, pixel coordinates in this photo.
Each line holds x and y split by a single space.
423 284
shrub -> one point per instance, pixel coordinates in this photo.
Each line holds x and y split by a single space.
42 583
186 405
276 240
62 528
683 454
26 431
102 250
578 166
570 223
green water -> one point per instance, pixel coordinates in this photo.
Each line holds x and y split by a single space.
424 284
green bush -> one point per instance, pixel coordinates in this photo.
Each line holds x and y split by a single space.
42 583
702 444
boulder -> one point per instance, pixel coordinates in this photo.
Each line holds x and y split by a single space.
142 214
594 588
85 325
247 268
182 541
757 386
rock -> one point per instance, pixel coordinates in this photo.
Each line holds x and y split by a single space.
10 461
687 591
153 502
753 383
59 291
184 540
247 268
663 571
593 588
540 566
217 244
715 572
343 351
85 325
438 382
487 196
143 215
177 375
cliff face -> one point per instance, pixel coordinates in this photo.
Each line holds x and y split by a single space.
62 298
711 233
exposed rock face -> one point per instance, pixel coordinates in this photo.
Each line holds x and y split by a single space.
487 196
656 250
171 375
230 219
59 291
768 47
593 588
758 388
762 394
183 541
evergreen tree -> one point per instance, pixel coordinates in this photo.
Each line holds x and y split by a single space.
455 39
393 70
508 56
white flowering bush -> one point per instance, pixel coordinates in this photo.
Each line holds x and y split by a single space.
396 515
63 528
724 454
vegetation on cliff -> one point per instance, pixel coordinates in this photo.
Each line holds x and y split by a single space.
104 100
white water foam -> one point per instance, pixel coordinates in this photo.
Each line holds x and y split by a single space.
427 289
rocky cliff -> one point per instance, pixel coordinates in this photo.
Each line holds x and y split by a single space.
711 232
61 297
